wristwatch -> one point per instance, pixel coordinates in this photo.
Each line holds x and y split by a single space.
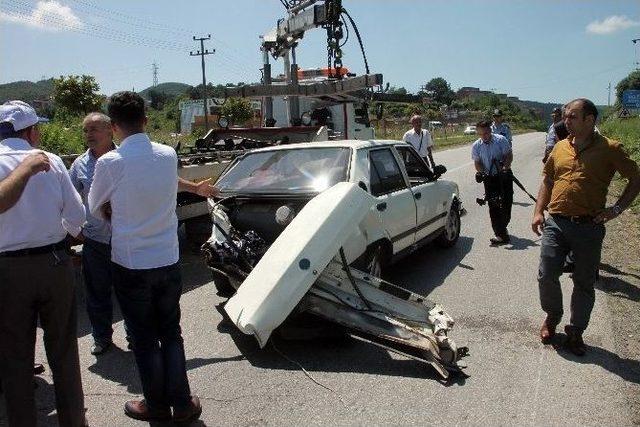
616 209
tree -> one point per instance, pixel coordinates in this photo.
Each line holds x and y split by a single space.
76 95
238 110
157 99
439 91
397 90
632 81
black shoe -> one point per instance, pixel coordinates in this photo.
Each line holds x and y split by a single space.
99 348
498 241
574 343
568 267
189 413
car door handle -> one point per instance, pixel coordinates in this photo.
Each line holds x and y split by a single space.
417 195
382 206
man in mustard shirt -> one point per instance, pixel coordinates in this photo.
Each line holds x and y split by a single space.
576 178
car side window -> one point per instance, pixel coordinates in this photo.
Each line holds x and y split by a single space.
417 170
385 174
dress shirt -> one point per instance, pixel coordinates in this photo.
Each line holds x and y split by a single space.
581 179
502 129
48 208
486 152
81 174
419 140
140 180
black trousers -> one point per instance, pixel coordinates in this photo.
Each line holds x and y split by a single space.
499 193
39 287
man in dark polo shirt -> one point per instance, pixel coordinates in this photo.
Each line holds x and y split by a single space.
576 178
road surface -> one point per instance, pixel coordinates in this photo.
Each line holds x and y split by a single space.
490 292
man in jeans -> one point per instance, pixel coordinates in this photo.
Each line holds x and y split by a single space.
135 185
96 247
576 178
96 250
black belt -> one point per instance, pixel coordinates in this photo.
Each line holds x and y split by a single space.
578 219
34 251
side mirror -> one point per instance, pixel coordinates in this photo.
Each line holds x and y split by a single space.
439 170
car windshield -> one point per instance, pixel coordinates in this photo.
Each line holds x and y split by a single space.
302 170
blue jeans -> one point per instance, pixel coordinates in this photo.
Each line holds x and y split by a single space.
584 241
150 303
96 269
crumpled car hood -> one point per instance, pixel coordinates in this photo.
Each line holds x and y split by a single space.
297 257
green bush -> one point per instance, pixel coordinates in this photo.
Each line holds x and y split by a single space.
62 138
626 131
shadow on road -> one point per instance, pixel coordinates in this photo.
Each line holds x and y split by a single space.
617 287
335 352
616 271
427 268
627 369
45 404
118 366
519 244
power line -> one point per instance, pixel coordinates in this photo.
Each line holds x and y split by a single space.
24 13
146 23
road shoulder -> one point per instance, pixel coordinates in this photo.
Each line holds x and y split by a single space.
620 283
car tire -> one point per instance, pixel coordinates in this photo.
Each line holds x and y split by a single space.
451 232
222 284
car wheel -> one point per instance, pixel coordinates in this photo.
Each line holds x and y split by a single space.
222 284
451 231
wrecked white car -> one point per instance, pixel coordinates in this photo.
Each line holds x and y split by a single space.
295 220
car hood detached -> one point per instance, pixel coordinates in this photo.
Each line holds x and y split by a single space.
293 262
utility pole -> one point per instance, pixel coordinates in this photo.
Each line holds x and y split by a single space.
202 52
635 42
154 69
609 97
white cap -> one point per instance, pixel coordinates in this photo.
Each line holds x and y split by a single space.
20 114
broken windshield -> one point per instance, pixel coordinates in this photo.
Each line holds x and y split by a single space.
303 170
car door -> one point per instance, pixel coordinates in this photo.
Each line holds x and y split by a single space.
396 205
430 211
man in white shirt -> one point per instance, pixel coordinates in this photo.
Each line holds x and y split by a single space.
135 186
39 206
420 139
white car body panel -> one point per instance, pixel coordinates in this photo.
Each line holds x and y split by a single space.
295 259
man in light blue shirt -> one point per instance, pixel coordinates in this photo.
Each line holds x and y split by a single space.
492 157
96 249
499 127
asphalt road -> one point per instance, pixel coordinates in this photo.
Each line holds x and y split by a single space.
490 292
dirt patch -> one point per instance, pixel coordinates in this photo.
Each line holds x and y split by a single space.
620 281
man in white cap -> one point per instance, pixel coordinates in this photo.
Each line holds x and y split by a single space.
420 139
40 207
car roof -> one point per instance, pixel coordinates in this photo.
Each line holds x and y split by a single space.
345 143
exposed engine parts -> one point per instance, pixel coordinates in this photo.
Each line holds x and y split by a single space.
239 249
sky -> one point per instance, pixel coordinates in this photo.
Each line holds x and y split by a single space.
539 50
